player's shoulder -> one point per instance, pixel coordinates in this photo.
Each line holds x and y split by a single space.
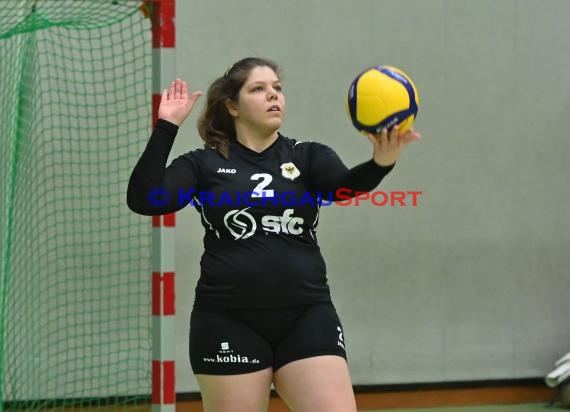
201 153
303 145
200 158
311 150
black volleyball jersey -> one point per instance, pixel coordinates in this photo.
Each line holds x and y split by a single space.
259 211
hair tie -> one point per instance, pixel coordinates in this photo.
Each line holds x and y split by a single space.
228 71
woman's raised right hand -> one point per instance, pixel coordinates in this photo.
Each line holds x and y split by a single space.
176 104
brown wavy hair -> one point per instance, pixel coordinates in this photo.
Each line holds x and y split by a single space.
215 124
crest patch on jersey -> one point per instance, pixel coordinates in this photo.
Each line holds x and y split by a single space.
290 171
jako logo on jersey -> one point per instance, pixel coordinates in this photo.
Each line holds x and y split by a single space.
289 171
230 171
242 225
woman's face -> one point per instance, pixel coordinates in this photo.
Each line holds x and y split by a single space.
261 103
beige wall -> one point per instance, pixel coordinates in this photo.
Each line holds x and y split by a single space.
472 283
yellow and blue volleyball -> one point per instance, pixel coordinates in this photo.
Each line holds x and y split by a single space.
382 97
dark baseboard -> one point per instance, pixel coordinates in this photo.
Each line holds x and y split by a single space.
424 395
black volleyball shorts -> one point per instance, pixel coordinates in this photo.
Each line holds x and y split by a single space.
229 342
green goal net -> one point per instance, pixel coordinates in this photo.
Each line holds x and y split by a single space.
75 325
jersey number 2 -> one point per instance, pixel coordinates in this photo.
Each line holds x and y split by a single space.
259 190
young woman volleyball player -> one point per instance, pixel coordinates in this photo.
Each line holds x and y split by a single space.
262 312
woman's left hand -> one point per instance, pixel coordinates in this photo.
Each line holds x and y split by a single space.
388 146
